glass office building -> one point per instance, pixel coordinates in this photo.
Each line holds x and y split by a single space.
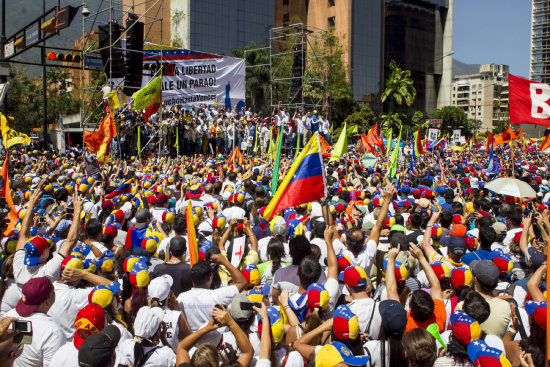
366 61
218 26
414 38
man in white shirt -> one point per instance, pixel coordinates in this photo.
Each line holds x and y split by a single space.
47 336
69 298
31 255
198 302
89 320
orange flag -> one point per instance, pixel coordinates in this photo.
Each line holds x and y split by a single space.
236 154
419 147
325 147
95 140
546 142
374 141
191 236
5 192
364 146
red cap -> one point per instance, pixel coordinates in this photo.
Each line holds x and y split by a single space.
89 320
111 231
119 216
34 292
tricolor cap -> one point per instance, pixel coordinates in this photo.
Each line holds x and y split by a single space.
461 277
441 270
129 262
169 215
34 248
89 320
105 264
219 222
317 296
465 329
345 323
277 328
73 262
102 295
204 247
343 262
257 294
353 276
401 272
335 353
503 262
483 355
139 276
538 311
11 244
150 243
251 274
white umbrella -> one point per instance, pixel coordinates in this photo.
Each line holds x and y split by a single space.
511 187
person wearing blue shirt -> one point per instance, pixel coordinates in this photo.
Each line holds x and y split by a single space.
487 236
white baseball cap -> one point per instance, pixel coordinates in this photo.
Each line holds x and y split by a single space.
159 287
147 321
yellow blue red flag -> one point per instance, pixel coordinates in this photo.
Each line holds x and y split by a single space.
304 182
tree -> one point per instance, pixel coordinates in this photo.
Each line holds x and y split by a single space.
363 118
399 87
61 101
24 101
453 118
257 77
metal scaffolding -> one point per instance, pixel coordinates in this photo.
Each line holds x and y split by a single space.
107 13
299 67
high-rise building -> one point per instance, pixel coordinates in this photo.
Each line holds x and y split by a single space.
215 26
415 33
539 68
484 95
540 41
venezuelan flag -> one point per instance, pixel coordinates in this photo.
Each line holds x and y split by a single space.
122 189
304 182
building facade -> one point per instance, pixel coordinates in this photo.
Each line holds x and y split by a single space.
215 26
483 96
415 33
540 41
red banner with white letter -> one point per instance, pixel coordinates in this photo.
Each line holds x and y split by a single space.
529 101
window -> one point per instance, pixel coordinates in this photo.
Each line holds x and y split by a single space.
330 2
286 17
331 22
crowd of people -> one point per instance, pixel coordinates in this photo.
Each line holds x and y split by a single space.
213 129
169 261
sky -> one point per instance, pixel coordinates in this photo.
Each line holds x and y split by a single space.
493 31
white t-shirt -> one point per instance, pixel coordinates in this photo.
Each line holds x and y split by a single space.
199 302
163 356
66 356
171 319
287 278
367 311
509 238
364 259
23 273
12 295
374 348
262 250
68 301
47 338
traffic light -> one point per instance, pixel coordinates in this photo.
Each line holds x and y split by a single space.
53 56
